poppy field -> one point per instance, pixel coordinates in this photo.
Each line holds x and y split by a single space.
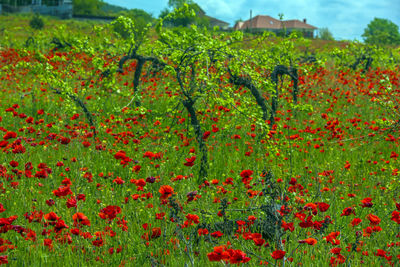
223 149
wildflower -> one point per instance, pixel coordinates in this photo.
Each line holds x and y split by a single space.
193 218
336 250
160 216
80 219
347 165
217 234
218 254
202 231
288 226
246 176
332 238
166 191
323 206
71 202
396 216
278 254
52 216
206 135
62 191
373 219
311 241
3 259
356 221
237 256
109 212
155 232
9 135
190 161
258 241
348 211
366 202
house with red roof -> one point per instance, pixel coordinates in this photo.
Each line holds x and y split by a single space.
262 23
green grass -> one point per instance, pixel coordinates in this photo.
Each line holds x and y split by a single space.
92 171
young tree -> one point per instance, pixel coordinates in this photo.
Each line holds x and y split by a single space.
134 36
382 32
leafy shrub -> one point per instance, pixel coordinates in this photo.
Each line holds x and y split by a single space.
36 22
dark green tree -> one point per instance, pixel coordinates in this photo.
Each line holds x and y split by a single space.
382 32
200 19
325 34
140 17
87 7
179 3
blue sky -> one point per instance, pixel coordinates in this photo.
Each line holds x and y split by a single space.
345 19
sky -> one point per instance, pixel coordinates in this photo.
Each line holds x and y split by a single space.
346 20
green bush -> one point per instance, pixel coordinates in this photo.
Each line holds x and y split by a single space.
36 22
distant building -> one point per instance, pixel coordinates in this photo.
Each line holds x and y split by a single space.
213 21
216 22
266 23
58 8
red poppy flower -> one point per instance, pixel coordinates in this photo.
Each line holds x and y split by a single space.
217 234
356 221
110 212
366 202
347 165
218 254
237 256
278 254
311 241
64 140
160 216
62 191
381 253
311 207
396 216
348 211
155 232
258 241
80 219
332 238
190 161
206 135
52 216
71 202
193 218
3 259
288 226
323 206
246 173
47 242
120 155
118 180
9 135
148 154
59 226
373 219
166 191
98 242
14 163
336 250
201 232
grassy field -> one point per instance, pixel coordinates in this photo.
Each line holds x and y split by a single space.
318 188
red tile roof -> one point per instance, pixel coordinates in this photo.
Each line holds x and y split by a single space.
297 24
267 22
